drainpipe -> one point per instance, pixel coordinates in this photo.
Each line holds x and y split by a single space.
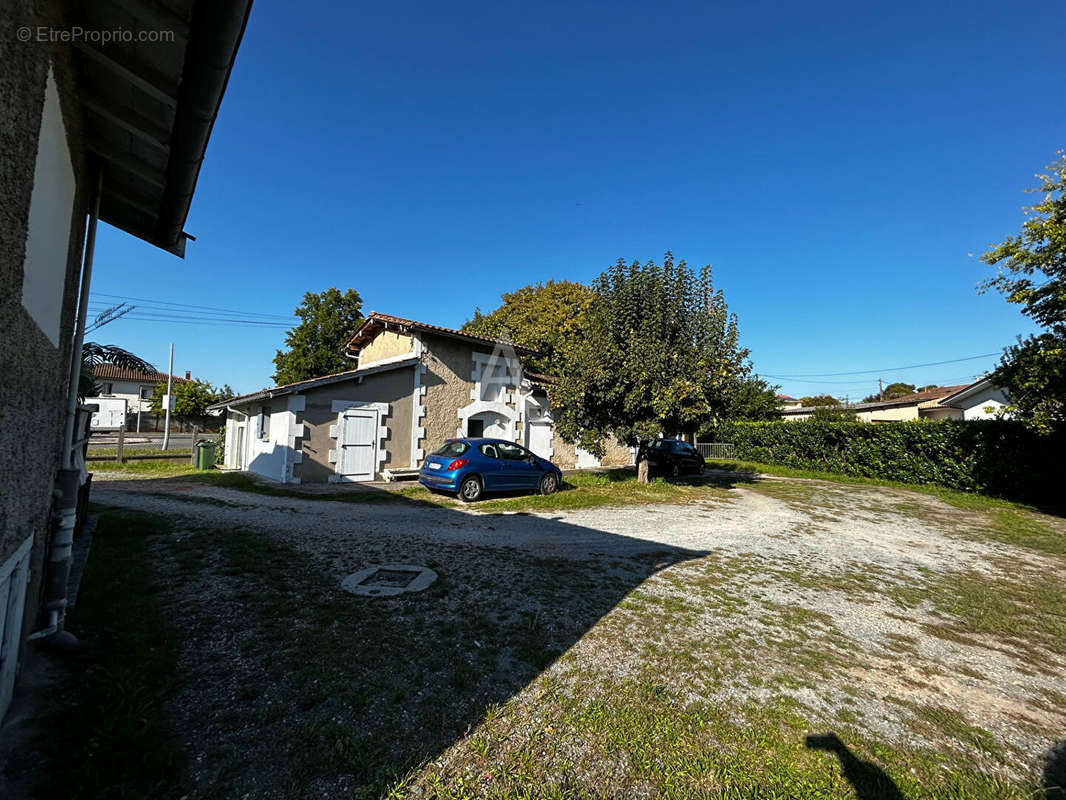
68 481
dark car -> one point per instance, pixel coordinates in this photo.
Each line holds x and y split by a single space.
471 467
673 457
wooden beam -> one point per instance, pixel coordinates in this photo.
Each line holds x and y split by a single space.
132 123
158 15
133 166
140 205
134 74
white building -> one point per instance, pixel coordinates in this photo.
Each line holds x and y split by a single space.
982 399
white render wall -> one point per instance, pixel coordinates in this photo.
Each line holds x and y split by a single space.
984 405
51 206
272 457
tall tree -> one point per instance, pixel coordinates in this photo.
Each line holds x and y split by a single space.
659 356
1031 271
542 317
315 347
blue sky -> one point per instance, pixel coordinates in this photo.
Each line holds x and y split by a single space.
837 163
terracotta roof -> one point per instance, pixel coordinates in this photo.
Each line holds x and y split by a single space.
376 321
113 372
926 399
786 397
918 397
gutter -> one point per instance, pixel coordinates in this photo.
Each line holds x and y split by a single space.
216 31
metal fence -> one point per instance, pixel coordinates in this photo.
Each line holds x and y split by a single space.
716 450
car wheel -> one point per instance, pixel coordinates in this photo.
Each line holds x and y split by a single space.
675 470
470 489
702 466
549 484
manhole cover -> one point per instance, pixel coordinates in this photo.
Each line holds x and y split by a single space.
389 580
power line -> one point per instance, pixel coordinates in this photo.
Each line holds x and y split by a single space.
882 369
175 306
206 321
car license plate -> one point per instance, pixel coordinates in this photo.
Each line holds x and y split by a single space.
434 466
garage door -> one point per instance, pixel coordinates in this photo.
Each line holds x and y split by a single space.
358 444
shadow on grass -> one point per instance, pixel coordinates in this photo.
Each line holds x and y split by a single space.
869 781
290 686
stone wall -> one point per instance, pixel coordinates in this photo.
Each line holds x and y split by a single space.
449 364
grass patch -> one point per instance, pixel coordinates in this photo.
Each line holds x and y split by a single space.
616 487
104 471
128 452
112 734
968 501
641 738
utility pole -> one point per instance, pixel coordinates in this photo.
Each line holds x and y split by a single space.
170 377
880 390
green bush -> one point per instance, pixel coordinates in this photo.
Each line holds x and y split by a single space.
997 457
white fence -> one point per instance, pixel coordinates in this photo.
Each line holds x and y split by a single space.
716 450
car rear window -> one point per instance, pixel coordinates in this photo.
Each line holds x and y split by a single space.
452 449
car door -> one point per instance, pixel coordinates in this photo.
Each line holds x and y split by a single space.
494 474
521 472
686 455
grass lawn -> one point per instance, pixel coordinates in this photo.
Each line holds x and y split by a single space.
129 451
112 738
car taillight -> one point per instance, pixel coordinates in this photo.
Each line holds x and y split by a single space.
459 463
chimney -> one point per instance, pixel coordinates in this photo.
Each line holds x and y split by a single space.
188 375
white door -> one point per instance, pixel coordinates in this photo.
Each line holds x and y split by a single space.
238 448
585 459
540 439
358 457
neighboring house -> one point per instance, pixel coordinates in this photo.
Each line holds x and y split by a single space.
919 405
414 386
115 132
133 386
787 401
982 399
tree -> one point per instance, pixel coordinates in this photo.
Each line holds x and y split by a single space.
832 413
315 347
93 355
542 317
659 356
755 400
191 398
1031 271
819 400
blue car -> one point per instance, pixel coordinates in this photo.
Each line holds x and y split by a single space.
471 467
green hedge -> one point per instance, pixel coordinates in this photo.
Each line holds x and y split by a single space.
997 457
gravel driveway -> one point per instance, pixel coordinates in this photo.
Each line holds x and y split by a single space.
855 580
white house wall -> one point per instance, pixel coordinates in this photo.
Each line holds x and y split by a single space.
51 207
272 457
986 404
